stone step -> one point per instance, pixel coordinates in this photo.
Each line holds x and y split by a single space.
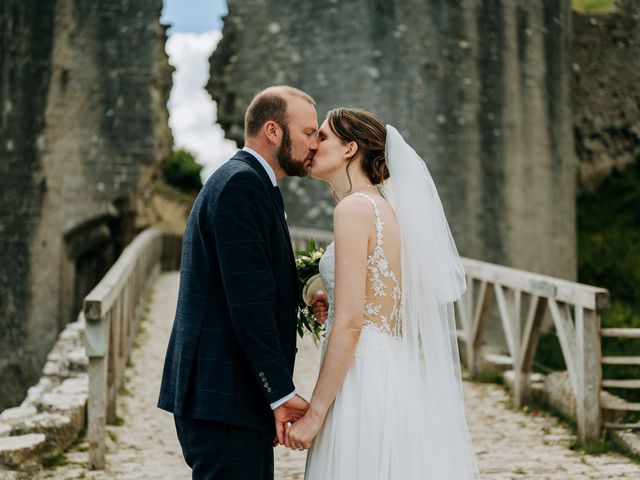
12 416
59 430
19 449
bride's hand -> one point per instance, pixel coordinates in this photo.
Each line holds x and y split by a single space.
300 435
320 307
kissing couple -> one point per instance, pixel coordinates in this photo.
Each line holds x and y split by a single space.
387 403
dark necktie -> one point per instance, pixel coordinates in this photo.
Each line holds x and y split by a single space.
279 200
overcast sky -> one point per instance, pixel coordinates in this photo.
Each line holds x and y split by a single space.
195 31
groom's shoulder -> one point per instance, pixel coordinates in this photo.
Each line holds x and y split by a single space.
232 171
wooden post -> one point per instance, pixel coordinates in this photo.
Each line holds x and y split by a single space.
112 368
467 305
96 338
481 314
589 375
523 364
123 348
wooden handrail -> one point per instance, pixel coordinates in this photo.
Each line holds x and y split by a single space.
587 296
112 311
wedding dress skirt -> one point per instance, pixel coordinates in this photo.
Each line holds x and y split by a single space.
375 428
362 434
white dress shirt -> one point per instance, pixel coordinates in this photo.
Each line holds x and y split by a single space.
272 176
264 163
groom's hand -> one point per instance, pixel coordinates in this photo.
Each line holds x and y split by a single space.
320 307
289 411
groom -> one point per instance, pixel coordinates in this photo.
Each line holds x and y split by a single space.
228 370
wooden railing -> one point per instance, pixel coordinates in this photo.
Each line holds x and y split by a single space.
112 311
616 403
300 237
523 300
114 307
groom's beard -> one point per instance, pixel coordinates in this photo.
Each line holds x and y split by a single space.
292 167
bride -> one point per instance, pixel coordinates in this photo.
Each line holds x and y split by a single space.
388 400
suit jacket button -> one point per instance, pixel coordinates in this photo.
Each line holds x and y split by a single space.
261 374
269 390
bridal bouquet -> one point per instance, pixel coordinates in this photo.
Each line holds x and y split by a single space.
310 282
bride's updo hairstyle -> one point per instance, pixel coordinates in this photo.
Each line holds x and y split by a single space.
369 132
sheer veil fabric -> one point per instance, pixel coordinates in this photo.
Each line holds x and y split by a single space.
433 278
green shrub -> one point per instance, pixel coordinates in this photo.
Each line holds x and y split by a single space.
548 357
609 236
608 223
182 171
609 257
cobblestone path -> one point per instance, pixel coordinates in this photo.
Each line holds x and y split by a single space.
509 444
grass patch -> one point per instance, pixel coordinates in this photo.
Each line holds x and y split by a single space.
490 375
125 392
54 461
604 446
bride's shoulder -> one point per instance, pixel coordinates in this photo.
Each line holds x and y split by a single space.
353 209
352 205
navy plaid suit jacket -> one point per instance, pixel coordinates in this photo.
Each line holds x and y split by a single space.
233 342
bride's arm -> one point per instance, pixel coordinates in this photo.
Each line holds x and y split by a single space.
351 224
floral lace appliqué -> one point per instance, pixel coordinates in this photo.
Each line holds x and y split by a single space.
380 279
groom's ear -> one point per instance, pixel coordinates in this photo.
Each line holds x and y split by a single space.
271 131
352 149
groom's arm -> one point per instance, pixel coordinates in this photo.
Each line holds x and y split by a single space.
240 224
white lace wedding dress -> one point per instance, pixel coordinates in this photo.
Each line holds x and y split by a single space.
375 427
355 441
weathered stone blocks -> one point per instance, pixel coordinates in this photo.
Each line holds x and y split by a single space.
54 412
16 451
59 430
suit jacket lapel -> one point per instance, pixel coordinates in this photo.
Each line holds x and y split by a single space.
255 164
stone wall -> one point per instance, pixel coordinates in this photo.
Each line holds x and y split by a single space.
606 92
54 411
83 129
480 89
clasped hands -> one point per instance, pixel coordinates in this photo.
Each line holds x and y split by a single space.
296 424
320 306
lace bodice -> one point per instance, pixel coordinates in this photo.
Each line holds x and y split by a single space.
383 290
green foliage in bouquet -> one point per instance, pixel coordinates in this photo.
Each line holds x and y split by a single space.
307 266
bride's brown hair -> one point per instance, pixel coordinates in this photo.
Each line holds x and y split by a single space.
369 132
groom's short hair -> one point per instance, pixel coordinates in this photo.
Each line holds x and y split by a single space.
271 104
